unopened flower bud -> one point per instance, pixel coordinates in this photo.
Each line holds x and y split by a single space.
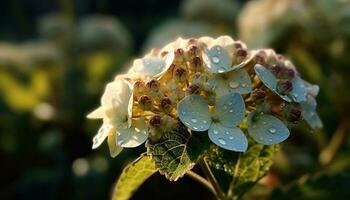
276 69
199 78
196 63
292 113
145 102
179 55
258 96
180 74
284 86
240 54
165 105
260 58
287 73
155 121
193 51
193 89
153 85
139 87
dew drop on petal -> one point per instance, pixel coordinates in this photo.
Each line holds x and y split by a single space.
244 85
231 138
205 121
233 84
222 141
215 59
194 120
231 111
272 130
221 70
216 132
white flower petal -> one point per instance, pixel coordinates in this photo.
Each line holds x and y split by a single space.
99 113
267 129
232 139
230 109
117 102
101 135
114 149
151 66
308 112
133 136
269 80
234 81
193 111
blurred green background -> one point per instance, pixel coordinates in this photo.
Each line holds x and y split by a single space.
56 56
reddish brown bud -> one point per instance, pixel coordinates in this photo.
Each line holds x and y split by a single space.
165 104
241 54
193 51
155 121
145 102
193 89
284 86
153 84
196 62
292 113
258 96
180 74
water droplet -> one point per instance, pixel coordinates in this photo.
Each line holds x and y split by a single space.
215 59
221 70
261 138
244 84
205 121
222 141
194 120
216 132
270 140
202 127
231 138
227 132
233 84
195 128
225 107
272 130
231 111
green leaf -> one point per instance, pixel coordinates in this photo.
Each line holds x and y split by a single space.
178 151
133 176
321 187
252 166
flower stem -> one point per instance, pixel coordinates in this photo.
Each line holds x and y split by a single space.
201 180
211 178
337 139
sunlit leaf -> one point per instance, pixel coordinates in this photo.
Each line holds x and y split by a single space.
177 152
132 177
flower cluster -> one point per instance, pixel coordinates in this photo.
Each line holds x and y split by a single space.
212 86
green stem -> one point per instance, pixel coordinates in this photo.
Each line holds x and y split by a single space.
230 192
211 178
201 180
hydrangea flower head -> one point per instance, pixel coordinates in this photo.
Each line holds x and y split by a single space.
211 86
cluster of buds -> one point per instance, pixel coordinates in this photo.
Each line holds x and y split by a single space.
213 86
